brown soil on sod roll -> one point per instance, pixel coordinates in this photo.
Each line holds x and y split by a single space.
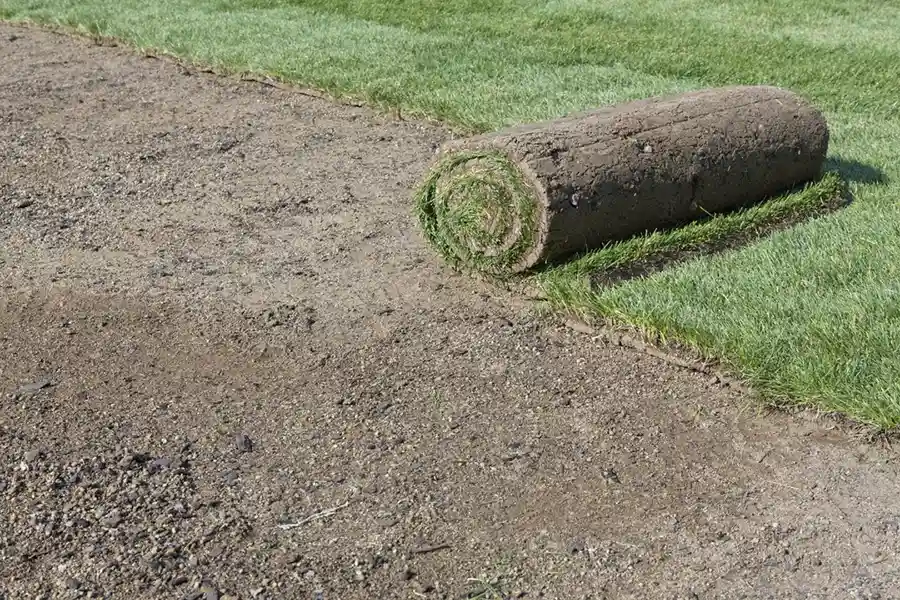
582 181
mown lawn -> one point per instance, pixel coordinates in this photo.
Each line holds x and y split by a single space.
810 315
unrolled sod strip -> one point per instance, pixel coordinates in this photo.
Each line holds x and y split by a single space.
508 201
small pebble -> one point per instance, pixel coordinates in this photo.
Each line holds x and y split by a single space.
209 591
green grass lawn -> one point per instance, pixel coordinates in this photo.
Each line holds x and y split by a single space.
809 315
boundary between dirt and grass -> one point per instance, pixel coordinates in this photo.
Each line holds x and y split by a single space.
567 289
616 263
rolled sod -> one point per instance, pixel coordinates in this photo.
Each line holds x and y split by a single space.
507 201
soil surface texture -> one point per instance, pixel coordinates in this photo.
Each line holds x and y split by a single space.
230 367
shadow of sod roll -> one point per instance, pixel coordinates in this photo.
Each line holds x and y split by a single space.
505 202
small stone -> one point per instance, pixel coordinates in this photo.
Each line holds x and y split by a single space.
13 37
193 562
254 592
610 475
179 580
25 203
34 387
243 442
32 455
112 519
227 144
209 591
230 477
72 583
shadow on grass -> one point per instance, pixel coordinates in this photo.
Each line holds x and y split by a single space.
855 171
668 258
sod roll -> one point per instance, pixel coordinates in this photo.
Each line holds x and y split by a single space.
508 201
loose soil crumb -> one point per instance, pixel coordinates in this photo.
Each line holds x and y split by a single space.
231 368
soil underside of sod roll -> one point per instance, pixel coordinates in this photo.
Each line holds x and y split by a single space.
507 201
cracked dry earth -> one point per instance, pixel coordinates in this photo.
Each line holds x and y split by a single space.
230 368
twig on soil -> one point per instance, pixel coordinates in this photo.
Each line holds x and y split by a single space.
328 512
429 549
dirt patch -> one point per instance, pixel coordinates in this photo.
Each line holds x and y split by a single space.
231 367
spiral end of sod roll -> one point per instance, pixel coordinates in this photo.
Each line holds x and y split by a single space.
479 210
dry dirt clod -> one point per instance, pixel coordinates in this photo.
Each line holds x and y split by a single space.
243 443
34 387
72 583
159 464
113 519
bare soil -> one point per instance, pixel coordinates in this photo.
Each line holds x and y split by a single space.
230 367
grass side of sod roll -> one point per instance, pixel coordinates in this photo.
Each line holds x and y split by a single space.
477 211
808 315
